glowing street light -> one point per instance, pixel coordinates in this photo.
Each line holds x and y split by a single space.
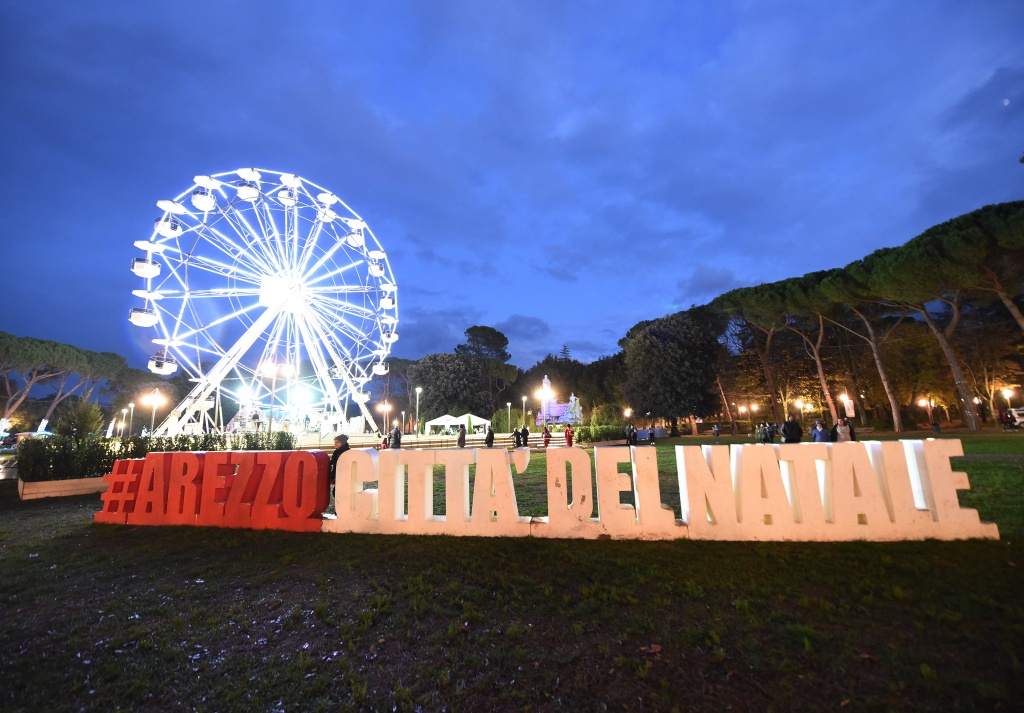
524 410
1007 393
384 408
403 421
154 399
800 405
628 412
927 403
509 405
545 395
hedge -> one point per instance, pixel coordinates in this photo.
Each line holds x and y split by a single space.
61 458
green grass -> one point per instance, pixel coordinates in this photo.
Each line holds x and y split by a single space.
105 618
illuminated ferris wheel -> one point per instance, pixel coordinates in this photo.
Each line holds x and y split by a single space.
267 289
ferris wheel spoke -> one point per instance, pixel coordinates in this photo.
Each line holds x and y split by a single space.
335 272
263 242
232 249
226 318
254 241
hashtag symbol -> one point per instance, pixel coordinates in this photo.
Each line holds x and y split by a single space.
122 487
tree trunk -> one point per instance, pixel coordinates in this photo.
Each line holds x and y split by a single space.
815 349
876 352
675 427
967 408
725 402
763 356
998 288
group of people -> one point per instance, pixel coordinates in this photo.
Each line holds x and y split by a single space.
792 432
633 435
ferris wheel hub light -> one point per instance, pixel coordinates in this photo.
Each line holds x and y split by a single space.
285 291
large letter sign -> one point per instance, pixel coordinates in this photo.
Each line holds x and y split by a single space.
814 491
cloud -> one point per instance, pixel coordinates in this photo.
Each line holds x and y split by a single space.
521 327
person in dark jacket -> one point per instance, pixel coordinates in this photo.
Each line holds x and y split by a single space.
525 433
791 431
460 441
489 438
396 437
340 446
517 437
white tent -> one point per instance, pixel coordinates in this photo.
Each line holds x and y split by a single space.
440 423
471 422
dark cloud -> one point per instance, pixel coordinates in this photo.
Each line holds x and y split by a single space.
521 327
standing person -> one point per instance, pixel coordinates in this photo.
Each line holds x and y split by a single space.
629 434
517 437
396 438
340 446
489 438
791 431
841 432
384 442
461 440
819 434
525 433
650 434
568 436
547 436
716 430
634 434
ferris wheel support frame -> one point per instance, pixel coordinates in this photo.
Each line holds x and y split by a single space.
190 405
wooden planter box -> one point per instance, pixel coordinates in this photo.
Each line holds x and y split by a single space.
60 488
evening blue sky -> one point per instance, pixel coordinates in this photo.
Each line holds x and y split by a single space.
557 170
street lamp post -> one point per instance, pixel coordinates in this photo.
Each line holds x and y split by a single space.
418 390
120 426
524 410
124 414
743 410
131 418
509 405
403 421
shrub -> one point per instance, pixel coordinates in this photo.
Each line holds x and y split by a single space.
596 434
63 458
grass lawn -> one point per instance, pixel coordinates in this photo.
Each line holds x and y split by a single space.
105 617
